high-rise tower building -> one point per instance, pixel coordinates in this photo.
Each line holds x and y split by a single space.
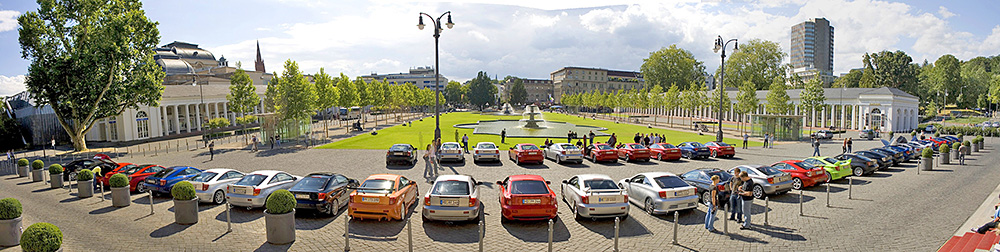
812 50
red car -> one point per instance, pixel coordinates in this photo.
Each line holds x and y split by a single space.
721 149
527 197
665 151
601 152
803 174
526 152
137 174
633 152
105 180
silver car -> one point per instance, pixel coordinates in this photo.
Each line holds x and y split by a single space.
562 152
485 151
451 151
210 185
594 196
452 198
767 180
660 192
254 188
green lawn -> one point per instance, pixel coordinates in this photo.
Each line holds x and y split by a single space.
967 120
421 133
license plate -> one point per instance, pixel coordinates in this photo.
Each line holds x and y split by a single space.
397 153
369 200
448 202
531 201
240 190
302 196
606 199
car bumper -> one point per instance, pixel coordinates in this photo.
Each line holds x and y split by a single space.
246 200
839 174
486 157
451 156
662 205
538 158
578 157
778 188
602 210
537 212
310 204
398 158
815 180
204 196
157 188
638 156
445 213
868 169
670 155
607 157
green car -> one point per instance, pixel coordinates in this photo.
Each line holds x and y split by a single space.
834 169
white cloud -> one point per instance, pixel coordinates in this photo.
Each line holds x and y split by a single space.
945 13
479 35
11 85
8 20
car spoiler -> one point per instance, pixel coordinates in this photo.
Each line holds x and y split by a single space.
593 191
388 191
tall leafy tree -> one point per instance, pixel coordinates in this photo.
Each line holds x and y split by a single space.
297 98
349 96
894 69
454 92
757 61
518 94
327 96
90 60
242 97
947 76
655 100
271 93
778 102
746 99
851 80
812 97
481 90
671 101
975 85
694 97
671 66
867 79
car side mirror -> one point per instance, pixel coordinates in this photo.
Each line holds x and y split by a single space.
565 182
479 183
511 148
413 182
500 183
352 181
548 182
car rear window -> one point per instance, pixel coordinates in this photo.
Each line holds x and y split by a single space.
804 165
862 158
251 180
450 146
163 173
721 144
451 188
400 147
486 146
668 146
310 183
529 147
769 170
669 182
637 146
600 184
696 145
604 147
568 146
528 187
830 160
376 185
722 175
204 177
132 170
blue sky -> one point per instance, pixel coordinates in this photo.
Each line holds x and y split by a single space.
530 38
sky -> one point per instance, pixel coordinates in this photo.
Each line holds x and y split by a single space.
531 38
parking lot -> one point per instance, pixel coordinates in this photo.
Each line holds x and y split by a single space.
895 210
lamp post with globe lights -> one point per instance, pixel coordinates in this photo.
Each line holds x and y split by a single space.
437 65
720 45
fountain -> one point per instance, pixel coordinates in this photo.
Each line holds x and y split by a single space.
531 111
531 124
507 109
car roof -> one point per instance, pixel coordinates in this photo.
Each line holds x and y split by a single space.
525 177
593 176
453 177
790 161
219 170
657 174
486 143
450 143
754 166
384 176
266 172
181 167
331 174
523 144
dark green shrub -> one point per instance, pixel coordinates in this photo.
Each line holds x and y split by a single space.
945 148
10 208
183 191
22 162
928 153
41 237
280 202
967 143
937 134
118 180
37 164
84 175
956 145
55 169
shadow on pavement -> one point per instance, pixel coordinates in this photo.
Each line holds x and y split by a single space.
279 151
452 232
104 210
312 219
685 217
44 189
537 231
575 165
376 230
793 197
606 227
497 163
240 215
73 199
779 232
272 247
534 166
144 199
168 230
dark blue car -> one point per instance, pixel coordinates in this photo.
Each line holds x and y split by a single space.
161 182
326 192
693 150
896 156
883 161
908 152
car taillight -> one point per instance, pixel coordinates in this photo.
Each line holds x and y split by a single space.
585 199
407 153
228 190
626 197
663 194
427 200
204 187
321 196
473 202
477 152
563 152
496 152
163 182
770 180
721 187
552 200
256 191
392 200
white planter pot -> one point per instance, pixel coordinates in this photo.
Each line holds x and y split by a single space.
56 180
85 189
120 197
280 227
22 171
10 232
945 158
36 175
186 211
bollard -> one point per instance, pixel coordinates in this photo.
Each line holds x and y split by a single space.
800 202
102 189
827 194
850 185
409 235
725 220
187 144
150 201
675 229
767 208
550 235
482 231
130 155
617 220
229 220
347 233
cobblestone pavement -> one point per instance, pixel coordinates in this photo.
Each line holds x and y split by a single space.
894 210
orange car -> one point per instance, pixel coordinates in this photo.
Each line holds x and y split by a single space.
383 196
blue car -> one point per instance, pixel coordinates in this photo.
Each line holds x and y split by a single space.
883 161
693 150
161 182
908 152
896 156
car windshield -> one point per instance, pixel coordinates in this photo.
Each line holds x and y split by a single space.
568 146
486 146
450 146
163 173
862 158
696 145
637 146
204 177
251 180
830 160
529 147
722 175
376 185
528 187
804 165
310 183
769 170
599 184
451 187
132 170
604 147
400 147
668 146
721 143
669 182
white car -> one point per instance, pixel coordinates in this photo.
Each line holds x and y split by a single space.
594 196
451 151
485 151
660 192
561 152
210 185
452 198
254 188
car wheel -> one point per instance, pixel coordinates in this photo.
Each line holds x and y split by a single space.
758 192
594 158
402 211
713 155
706 198
649 206
659 156
140 188
576 211
517 161
829 177
858 171
796 184
219 197
628 157
331 208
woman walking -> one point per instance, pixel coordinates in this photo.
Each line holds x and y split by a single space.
710 214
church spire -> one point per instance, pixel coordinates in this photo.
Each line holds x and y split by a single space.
259 64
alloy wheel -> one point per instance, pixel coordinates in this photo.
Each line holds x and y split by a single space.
714 154
829 177
758 192
140 188
219 197
659 156
649 206
796 184
858 171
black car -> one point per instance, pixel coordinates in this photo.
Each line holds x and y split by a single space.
404 153
897 157
883 161
326 192
860 165
71 168
701 179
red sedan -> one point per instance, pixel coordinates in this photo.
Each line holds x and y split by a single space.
803 174
721 149
527 197
526 152
105 180
633 152
601 152
137 174
665 151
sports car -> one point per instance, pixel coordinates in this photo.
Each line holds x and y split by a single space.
383 196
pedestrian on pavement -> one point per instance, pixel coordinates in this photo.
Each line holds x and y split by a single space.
735 203
746 193
503 136
710 214
961 154
745 138
465 142
844 147
613 139
569 137
428 163
254 142
637 138
773 139
850 142
434 154
765 140
97 172
271 139
645 140
456 135
278 140
211 151
815 144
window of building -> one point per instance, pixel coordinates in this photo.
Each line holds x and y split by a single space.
142 124
112 130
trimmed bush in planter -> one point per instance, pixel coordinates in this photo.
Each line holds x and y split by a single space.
85 183
945 153
55 176
968 147
41 237
183 191
36 170
185 203
22 162
22 167
961 137
10 222
279 218
927 159
120 196
84 174
55 169
37 164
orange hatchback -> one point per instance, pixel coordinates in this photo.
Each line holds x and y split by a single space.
383 196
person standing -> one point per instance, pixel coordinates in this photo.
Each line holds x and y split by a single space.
271 139
815 143
433 153
746 193
850 142
637 138
592 135
613 139
765 140
569 137
844 147
745 138
773 139
278 140
253 141
961 154
645 140
211 151
465 142
503 136
97 173
428 165
710 214
735 203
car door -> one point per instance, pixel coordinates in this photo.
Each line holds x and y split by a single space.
568 191
634 190
409 190
338 189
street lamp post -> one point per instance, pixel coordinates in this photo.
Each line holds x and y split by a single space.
720 45
437 65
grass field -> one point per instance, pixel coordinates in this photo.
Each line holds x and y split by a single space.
421 133
967 120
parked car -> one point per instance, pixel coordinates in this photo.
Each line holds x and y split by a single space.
930 128
210 185
693 150
896 156
485 151
720 149
665 151
884 162
451 151
866 134
803 174
253 189
106 168
562 152
452 198
907 151
527 197
860 165
601 152
952 138
525 152
161 182
104 180
383 196
137 176
660 192
404 153
594 196
701 179
70 168
822 134
633 152
326 192
767 180
835 169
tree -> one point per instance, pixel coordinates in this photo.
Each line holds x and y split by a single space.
272 93
518 95
867 79
777 97
851 80
671 66
671 100
327 96
454 92
348 93
297 96
654 99
90 60
694 97
747 99
758 61
975 86
893 69
812 97
481 90
947 76
242 97
713 100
